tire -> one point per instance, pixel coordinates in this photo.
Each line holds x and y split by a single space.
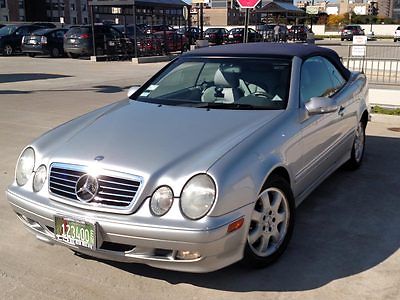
8 50
358 148
270 230
55 52
342 39
31 54
72 55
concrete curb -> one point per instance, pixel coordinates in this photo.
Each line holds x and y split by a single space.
384 97
386 119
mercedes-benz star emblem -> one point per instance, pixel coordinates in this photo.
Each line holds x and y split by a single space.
86 188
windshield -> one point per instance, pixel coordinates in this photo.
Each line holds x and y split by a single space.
6 30
224 83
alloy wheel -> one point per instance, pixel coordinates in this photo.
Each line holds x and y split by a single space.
269 222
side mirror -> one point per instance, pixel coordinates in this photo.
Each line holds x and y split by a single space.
321 105
132 90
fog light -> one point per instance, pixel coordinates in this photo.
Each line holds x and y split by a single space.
187 255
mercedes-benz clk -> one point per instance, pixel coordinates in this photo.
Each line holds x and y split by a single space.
203 165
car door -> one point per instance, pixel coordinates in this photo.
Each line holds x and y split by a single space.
59 38
16 38
320 132
348 105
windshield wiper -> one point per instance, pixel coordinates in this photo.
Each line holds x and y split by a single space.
217 105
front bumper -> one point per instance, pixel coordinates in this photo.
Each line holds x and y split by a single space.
121 238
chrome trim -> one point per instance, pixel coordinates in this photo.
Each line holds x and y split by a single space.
96 205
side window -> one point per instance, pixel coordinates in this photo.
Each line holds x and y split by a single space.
315 80
114 33
22 31
60 34
336 77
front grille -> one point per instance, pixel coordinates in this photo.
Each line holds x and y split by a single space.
114 191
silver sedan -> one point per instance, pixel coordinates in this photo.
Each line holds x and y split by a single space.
203 165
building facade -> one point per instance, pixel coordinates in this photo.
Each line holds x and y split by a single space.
72 11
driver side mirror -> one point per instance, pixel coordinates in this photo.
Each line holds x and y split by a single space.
132 90
321 105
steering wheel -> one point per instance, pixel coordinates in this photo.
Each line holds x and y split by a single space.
262 94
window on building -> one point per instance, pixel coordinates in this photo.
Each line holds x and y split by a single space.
2 3
74 21
84 7
72 6
21 4
85 20
5 18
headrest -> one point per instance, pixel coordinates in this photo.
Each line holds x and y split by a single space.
227 77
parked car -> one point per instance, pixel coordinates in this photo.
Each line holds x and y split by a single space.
349 31
11 37
397 34
216 36
2 25
78 41
45 24
267 32
205 163
128 31
150 29
298 33
44 41
163 42
192 32
235 35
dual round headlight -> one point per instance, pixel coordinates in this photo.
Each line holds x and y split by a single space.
197 198
25 167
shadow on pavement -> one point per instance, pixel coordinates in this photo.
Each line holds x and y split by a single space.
348 225
105 89
17 77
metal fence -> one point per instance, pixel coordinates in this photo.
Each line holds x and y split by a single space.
381 63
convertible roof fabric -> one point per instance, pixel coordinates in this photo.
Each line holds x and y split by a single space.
287 50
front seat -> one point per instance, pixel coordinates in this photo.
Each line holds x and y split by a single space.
226 87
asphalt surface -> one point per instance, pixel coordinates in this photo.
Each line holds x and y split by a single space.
345 244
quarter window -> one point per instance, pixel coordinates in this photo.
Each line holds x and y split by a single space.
336 77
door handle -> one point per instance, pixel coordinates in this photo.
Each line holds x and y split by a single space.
341 111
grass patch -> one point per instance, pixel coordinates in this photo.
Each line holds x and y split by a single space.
386 111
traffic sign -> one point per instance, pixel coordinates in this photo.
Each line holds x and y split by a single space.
248 3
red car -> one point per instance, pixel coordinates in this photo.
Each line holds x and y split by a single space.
162 43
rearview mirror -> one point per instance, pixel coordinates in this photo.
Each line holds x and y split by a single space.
132 90
321 105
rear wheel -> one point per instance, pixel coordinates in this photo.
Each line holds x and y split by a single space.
55 52
8 50
31 54
271 225
357 151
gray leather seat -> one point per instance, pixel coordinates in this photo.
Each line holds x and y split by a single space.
226 88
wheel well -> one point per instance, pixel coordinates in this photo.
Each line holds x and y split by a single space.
364 118
281 172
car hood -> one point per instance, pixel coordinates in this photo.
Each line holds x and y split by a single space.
159 143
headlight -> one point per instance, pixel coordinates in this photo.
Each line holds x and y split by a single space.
161 201
198 196
25 166
39 178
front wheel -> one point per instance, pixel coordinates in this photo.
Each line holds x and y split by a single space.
271 224
8 50
357 151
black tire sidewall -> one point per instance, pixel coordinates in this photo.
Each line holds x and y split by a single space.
352 163
250 258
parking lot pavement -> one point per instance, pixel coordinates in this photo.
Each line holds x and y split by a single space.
345 245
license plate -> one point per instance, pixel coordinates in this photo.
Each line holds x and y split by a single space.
32 42
75 232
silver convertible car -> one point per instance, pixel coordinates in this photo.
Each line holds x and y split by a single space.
203 165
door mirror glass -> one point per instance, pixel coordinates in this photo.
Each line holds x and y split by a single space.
321 105
132 90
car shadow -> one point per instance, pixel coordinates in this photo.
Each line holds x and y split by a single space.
346 226
18 77
104 89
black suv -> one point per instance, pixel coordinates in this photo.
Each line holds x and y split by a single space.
78 41
11 37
